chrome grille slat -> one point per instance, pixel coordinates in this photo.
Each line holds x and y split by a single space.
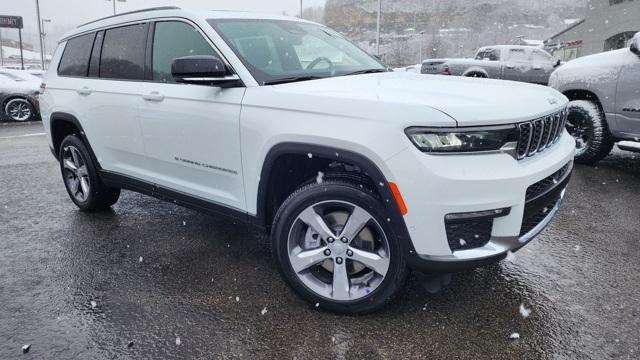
537 135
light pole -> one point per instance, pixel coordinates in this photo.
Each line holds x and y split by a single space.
300 9
420 45
114 5
40 32
378 27
43 35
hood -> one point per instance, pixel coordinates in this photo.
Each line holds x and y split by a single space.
469 101
606 59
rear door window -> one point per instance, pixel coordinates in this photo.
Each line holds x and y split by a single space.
75 59
519 55
174 39
123 52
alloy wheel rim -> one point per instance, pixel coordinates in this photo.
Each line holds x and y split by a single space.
578 128
338 250
75 173
18 110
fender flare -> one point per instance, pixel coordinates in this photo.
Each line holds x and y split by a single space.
476 69
62 117
368 167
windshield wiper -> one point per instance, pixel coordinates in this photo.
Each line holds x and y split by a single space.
367 71
292 79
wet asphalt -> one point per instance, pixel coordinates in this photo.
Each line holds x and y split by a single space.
127 283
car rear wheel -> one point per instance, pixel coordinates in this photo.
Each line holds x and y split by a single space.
587 124
334 247
81 178
19 110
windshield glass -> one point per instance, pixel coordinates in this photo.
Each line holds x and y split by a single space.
281 50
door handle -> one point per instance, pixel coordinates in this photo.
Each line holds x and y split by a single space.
84 91
537 68
511 66
153 96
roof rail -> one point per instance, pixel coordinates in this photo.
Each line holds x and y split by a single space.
131 12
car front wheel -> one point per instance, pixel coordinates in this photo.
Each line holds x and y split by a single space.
334 247
588 126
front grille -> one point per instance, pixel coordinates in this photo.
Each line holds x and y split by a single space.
468 234
532 220
537 135
546 184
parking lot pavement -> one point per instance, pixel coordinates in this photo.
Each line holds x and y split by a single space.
129 282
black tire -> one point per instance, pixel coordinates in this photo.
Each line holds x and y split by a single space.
476 75
24 105
338 189
587 124
99 197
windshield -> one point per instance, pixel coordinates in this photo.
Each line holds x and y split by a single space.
276 51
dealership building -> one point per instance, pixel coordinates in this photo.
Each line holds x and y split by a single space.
608 25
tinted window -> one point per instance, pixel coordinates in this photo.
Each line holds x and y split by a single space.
123 53
94 64
173 39
75 59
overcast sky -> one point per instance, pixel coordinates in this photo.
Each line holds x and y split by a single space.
65 14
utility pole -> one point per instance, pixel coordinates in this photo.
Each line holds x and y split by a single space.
1 54
378 27
114 5
300 9
40 34
420 46
44 42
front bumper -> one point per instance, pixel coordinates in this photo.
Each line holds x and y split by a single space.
444 185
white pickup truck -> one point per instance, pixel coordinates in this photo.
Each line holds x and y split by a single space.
506 62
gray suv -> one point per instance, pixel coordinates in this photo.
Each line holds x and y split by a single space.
604 90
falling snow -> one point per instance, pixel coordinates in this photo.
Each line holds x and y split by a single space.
524 311
93 304
310 155
178 341
264 311
320 177
140 259
514 336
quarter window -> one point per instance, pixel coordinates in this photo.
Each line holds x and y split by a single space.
123 53
174 39
75 59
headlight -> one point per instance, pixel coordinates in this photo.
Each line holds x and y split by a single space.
461 140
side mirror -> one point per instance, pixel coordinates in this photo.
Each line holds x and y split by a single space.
635 44
557 62
201 70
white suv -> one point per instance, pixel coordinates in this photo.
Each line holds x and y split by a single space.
356 173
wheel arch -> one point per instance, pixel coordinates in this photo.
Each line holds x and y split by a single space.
314 157
63 124
476 70
581 94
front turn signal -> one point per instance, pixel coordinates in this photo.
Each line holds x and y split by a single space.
398 198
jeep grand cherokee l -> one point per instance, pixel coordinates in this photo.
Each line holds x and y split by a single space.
356 173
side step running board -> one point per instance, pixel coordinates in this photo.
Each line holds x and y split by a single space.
629 146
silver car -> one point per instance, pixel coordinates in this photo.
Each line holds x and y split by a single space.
507 62
19 95
604 90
